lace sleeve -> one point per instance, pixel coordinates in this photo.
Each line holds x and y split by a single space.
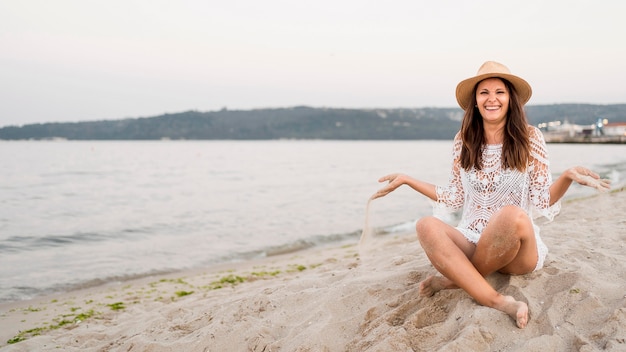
540 178
451 197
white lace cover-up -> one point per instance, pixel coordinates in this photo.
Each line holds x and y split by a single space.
480 193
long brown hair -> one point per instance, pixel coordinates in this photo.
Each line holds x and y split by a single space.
516 144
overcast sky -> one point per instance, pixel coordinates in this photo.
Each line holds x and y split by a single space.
77 60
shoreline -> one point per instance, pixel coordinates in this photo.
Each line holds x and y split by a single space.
337 297
24 319
237 261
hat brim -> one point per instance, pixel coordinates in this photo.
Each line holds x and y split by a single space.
465 88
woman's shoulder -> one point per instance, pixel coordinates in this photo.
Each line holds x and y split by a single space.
534 133
456 145
458 138
533 129
537 142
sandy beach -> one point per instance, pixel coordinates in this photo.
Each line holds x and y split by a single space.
343 299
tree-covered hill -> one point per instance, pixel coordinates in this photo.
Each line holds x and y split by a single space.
297 123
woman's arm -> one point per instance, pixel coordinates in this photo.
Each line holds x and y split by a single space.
451 196
559 187
397 180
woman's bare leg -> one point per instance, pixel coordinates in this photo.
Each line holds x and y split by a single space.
448 251
507 244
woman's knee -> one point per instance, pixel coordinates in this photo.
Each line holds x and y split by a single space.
513 216
514 221
511 211
436 235
425 223
426 227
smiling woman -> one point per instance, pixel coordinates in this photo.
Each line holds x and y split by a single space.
501 180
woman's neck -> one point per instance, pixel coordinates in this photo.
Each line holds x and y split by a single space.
494 134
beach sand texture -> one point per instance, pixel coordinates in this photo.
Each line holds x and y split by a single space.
335 299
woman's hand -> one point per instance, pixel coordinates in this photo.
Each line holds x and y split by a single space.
395 181
589 178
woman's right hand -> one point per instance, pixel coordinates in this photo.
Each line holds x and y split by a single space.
395 181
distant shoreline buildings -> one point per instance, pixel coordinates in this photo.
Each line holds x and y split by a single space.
602 131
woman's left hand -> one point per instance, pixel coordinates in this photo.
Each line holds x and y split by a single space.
395 181
589 178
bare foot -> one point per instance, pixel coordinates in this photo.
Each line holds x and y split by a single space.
434 284
518 310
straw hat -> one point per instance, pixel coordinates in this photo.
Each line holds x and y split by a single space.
489 69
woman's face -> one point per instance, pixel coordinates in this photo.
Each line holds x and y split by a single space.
492 98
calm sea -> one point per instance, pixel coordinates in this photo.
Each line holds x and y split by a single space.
74 214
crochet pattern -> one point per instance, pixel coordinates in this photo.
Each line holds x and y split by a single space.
480 193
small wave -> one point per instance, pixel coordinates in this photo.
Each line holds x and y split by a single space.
27 243
15 243
21 293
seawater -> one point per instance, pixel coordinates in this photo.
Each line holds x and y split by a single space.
81 213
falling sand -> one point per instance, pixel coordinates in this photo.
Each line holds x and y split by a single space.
367 235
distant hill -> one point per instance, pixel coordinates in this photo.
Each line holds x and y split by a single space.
298 123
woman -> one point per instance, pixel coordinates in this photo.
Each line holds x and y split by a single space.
501 180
